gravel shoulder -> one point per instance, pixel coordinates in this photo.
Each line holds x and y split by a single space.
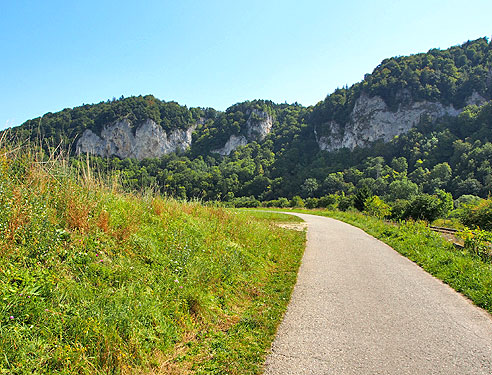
359 307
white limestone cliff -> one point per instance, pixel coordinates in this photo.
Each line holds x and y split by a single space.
148 141
258 126
232 143
372 120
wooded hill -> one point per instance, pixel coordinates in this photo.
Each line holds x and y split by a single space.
453 153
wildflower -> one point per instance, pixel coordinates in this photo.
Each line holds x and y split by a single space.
46 310
181 287
97 255
101 261
176 281
11 317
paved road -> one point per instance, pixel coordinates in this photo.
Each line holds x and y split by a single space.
361 308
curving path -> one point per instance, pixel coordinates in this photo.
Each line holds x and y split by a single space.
359 307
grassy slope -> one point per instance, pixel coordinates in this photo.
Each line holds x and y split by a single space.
93 280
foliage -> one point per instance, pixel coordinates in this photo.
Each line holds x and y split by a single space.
479 242
479 215
329 201
376 207
452 154
297 201
426 207
345 203
361 196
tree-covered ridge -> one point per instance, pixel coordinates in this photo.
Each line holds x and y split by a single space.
65 126
453 154
219 126
447 76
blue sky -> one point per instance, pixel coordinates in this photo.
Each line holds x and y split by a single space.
58 54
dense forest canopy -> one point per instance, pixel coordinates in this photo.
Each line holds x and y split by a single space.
452 154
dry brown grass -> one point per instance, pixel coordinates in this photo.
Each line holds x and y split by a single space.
103 221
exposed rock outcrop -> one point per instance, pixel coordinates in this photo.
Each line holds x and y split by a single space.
148 141
372 120
232 143
258 126
476 99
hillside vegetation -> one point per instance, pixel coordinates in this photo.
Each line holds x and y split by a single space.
452 154
94 280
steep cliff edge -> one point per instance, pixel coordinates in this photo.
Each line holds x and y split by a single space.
371 120
258 126
148 141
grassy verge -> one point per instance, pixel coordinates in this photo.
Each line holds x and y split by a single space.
97 281
463 270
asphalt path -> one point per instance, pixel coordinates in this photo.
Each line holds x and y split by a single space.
359 307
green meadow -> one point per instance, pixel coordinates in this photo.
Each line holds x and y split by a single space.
95 280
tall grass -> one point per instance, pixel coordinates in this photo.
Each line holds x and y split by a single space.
94 280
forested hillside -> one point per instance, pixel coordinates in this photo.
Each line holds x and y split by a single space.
451 153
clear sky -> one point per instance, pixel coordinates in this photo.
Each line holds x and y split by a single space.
62 53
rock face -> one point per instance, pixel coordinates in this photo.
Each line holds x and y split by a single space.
372 120
476 99
233 142
149 140
258 126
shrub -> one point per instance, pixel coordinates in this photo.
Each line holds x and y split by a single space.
361 196
424 207
479 215
345 203
429 207
330 200
296 201
478 242
399 209
282 202
467 200
312 202
376 207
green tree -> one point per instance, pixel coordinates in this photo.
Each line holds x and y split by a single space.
361 197
309 187
402 189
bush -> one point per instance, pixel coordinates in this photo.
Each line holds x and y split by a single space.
374 206
247 202
399 209
423 207
478 243
429 207
345 203
282 202
312 202
330 200
361 196
467 200
479 215
296 201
